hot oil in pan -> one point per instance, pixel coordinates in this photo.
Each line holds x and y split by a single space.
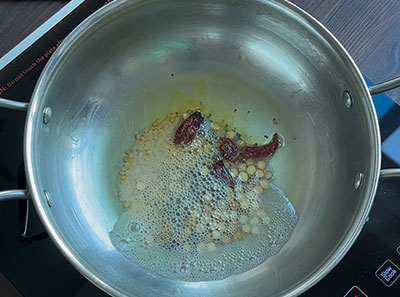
183 221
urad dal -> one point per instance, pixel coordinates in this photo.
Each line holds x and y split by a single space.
182 220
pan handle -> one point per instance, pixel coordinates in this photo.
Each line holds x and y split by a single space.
385 86
14 194
380 88
387 173
15 105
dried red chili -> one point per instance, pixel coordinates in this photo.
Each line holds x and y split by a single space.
188 129
255 152
223 173
229 150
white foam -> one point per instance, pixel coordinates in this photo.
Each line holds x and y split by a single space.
183 223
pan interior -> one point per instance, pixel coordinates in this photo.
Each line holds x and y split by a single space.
138 61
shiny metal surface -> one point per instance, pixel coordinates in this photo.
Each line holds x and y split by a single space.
16 105
112 76
358 180
14 194
348 100
47 112
385 86
388 173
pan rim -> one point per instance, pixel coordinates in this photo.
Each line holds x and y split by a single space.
359 222
39 200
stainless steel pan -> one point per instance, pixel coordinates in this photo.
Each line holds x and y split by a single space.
112 76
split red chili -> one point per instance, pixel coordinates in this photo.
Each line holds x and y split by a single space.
223 173
188 129
255 152
229 150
